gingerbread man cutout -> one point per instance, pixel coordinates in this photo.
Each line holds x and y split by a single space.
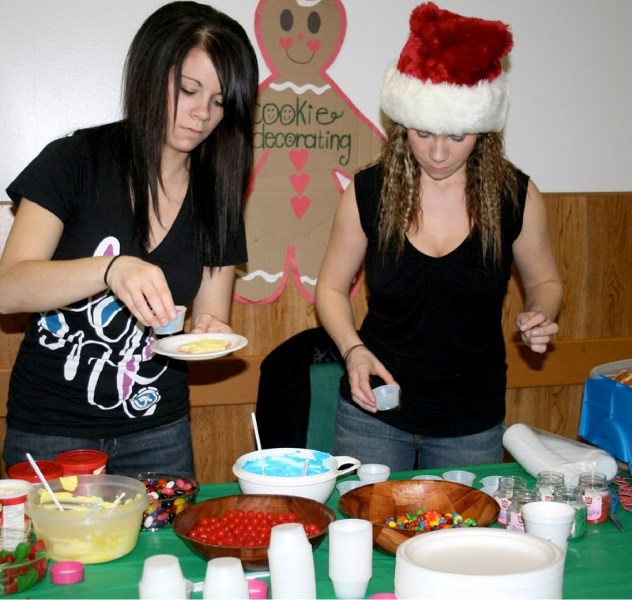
309 140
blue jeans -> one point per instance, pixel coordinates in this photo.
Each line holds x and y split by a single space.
372 441
165 449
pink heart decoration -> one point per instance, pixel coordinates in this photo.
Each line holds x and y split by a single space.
300 205
286 42
299 182
299 158
313 45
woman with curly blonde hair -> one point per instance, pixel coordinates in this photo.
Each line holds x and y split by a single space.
438 221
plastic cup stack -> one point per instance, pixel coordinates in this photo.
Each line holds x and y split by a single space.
350 557
225 580
291 563
162 578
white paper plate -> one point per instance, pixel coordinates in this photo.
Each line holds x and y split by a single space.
478 563
168 346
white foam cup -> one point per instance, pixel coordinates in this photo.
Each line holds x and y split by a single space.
162 578
175 325
387 396
350 557
225 578
373 473
551 521
458 476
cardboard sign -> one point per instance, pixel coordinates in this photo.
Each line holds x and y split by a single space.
309 140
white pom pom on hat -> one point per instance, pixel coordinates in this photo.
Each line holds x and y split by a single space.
448 78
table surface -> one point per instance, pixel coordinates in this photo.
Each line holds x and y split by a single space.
597 566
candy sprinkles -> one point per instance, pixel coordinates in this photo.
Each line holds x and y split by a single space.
429 521
167 498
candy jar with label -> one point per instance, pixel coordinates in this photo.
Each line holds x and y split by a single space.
596 495
514 512
504 494
572 496
547 482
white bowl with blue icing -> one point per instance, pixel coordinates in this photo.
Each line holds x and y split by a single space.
283 468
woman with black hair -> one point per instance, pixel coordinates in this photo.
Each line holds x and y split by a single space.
117 225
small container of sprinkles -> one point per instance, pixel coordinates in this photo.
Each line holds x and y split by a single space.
13 494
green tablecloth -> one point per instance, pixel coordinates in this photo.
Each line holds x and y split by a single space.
597 566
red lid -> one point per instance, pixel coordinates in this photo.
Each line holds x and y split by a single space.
24 471
83 462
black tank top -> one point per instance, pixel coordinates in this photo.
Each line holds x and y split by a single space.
435 323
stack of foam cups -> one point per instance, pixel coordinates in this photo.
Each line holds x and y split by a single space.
291 563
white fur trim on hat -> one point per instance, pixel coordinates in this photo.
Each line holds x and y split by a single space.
444 108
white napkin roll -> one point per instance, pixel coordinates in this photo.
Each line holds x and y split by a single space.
537 450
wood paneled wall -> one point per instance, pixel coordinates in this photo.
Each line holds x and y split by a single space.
594 248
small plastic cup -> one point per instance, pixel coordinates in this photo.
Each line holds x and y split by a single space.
162 578
175 325
458 476
490 481
225 579
346 486
427 478
387 396
373 473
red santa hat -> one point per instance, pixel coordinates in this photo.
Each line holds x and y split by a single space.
448 79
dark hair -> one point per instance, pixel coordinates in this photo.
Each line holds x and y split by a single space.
220 166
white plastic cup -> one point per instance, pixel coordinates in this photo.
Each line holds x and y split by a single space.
458 476
490 481
225 578
551 521
291 563
346 486
350 557
373 473
175 325
162 578
387 396
427 478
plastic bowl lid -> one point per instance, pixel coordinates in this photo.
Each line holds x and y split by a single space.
66 572
76 461
24 470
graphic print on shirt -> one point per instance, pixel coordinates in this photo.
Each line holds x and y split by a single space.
309 139
106 347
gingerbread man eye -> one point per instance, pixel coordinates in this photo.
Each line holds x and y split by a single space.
313 22
286 20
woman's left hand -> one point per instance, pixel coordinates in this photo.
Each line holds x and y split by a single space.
536 330
206 323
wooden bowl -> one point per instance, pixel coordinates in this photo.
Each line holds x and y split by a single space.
254 558
379 501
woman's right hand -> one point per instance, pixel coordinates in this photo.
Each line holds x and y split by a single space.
361 364
142 287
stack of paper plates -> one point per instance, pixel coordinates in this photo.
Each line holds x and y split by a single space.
478 563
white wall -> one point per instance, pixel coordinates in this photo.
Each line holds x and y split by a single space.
569 124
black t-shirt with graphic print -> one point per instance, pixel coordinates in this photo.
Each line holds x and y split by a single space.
88 368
